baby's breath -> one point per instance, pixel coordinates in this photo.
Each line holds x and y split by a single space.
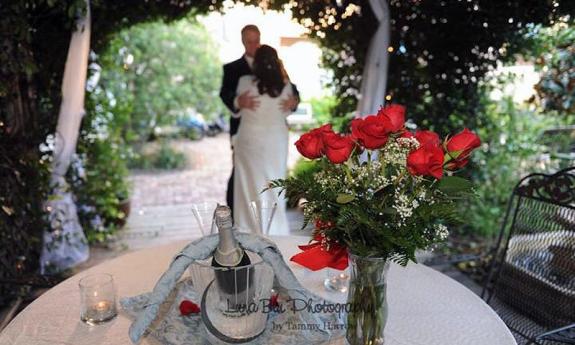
441 231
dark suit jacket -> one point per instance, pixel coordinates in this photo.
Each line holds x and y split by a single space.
233 71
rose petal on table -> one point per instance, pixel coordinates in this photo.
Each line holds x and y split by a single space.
188 307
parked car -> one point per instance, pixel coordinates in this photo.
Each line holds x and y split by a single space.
193 125
217 126
303 116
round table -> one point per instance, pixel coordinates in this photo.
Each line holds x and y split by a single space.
425 306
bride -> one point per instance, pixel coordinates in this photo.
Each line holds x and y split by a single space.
261 144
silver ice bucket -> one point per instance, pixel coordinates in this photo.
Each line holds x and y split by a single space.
234 301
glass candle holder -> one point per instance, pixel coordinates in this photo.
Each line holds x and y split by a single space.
336 281
97 298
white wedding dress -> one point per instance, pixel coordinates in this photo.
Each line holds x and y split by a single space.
260 155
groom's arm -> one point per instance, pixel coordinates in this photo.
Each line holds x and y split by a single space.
228 90
291 103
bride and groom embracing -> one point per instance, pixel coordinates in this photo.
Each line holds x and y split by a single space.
257 90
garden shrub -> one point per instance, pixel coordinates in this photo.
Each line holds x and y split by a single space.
302 167
511 148
164 158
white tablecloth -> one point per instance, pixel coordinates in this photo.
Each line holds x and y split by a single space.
426 307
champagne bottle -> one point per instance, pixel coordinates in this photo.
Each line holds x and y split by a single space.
232 282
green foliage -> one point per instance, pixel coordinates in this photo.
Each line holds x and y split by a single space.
168 158
435 72
323 108
560 145
34 36
101 190
99 175
304 169
556 89
192 133
165 158
511 149
455 186
162 71
23 190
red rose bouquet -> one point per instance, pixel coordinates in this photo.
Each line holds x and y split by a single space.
380 194
382 191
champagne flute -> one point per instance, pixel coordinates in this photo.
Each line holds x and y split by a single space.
263 212
204 215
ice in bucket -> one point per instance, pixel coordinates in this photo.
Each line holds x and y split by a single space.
234 316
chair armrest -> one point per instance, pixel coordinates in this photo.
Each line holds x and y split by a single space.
564 335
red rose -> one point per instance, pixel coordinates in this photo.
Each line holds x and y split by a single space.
393 116
310 145
337 148
459 148
427 160
370 132
323 129
427 137
188 307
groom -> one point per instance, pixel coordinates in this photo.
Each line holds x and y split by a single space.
233 71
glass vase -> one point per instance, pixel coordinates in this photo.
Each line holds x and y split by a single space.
367 298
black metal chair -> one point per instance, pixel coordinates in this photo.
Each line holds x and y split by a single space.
531 280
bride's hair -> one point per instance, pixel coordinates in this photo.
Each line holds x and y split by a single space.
269 71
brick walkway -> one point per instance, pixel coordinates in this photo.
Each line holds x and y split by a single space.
205 177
